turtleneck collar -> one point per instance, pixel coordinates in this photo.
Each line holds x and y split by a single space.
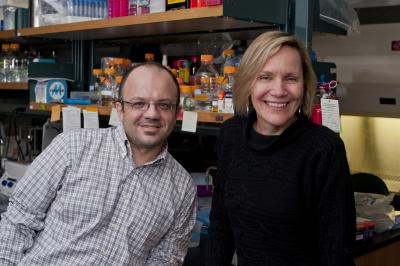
259 142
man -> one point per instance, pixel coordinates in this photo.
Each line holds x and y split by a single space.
110 196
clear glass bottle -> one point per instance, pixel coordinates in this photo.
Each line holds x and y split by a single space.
108 90
4 51
97 85
206 77
8 59
15 66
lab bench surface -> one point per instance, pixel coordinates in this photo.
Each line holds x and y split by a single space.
382 249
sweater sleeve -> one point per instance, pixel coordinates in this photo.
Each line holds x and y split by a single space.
336 210
220 245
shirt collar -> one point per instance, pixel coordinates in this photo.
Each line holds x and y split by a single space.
125 148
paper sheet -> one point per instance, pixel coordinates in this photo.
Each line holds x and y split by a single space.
90 119
189 122
71 118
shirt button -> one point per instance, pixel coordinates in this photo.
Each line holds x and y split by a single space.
114 226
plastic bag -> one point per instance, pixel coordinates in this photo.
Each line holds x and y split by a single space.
376 207
340 14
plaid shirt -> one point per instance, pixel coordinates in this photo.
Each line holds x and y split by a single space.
84 202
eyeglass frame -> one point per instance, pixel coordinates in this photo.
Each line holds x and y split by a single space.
147 104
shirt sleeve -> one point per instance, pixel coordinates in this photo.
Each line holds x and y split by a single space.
173 246
336 212
28 204
220 244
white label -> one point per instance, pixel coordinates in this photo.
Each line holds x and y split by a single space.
71 118
330 114
114 119
90 119
189 121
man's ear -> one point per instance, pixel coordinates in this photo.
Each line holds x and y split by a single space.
178 110
120 110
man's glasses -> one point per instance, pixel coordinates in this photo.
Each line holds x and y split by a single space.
144 106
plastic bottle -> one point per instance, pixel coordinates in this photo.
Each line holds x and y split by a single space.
143 7
229 81
229 54
157 6
206 77
198 3
194 66
176 4
132 7
184 71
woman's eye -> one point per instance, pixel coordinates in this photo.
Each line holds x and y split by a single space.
264 78
292 79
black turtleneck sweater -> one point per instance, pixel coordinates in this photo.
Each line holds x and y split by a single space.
281 200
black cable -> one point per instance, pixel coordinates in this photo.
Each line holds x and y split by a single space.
16 139
8 137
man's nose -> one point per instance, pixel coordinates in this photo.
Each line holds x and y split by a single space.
152 111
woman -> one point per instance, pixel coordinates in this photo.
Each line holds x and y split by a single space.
283 194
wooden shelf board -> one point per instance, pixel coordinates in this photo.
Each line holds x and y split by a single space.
203 117
7 34
210 117
14 86
207 19
102 110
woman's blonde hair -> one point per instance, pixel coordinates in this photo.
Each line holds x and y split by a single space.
254 59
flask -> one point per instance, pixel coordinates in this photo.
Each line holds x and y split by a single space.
176 4
206 77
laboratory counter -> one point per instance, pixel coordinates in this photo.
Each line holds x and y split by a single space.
383 250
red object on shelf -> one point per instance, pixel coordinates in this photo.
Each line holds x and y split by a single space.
316 114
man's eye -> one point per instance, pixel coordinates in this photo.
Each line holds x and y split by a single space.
164 106
138 105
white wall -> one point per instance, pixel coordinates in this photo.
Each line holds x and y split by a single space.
366 67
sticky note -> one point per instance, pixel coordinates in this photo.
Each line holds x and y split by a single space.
55 113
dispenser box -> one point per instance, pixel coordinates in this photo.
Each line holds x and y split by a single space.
50 82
